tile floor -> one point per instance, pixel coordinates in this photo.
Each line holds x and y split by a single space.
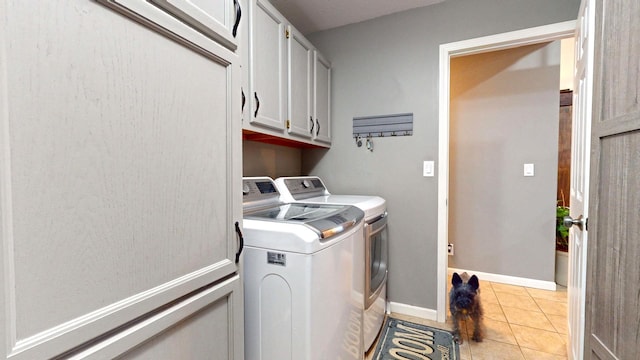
520 323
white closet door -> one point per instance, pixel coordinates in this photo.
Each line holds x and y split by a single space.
119 178
267 66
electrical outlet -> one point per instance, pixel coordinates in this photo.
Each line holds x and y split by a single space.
450 249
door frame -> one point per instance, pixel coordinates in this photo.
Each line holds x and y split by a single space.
479 45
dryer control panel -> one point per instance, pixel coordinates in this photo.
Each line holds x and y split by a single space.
303 187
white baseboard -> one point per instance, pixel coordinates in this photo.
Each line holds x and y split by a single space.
411 310
510 280
431 314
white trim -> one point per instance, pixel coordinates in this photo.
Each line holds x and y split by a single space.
468 47
410 310
510 280
7 265
511 39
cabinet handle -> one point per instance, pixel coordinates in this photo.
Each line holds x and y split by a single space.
236 3
241 242
255 114
312 124
317 127
244 100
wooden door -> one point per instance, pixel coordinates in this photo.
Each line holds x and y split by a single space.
579 183
613 269
267 66
322 96
300 76
564 148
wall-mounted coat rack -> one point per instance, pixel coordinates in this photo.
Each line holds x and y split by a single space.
383 125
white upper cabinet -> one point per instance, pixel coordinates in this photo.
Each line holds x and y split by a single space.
267 96
322 99
289 83
300 80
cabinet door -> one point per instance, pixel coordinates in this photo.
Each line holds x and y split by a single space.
300 82
120 174
201 322
267 66
218 19
322 95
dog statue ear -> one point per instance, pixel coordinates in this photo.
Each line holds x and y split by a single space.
456 280
474 282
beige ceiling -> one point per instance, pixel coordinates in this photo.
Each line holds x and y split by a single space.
314 15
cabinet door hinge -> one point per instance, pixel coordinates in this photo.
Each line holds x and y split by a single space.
286 33
288 124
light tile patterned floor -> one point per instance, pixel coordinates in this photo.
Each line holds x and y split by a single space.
520 323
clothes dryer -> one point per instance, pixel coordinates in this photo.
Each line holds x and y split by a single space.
311 189
300 270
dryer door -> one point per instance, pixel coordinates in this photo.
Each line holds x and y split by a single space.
376 257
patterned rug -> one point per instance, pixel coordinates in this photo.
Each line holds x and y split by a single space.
406 340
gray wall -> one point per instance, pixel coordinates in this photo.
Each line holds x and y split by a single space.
390 65
260 159
503 114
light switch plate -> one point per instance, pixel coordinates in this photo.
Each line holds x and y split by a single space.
529 170
428 168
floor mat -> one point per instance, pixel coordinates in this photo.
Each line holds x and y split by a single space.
406 340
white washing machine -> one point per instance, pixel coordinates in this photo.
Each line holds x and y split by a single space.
302 264
311 189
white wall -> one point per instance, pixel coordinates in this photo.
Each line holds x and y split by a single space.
567 60
390 65
504 113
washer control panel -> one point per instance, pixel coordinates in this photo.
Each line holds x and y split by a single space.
259 191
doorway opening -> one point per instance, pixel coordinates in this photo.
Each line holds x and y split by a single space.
567 63
504 41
